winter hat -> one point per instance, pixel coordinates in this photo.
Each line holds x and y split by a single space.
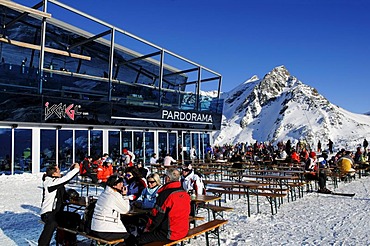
312 154
114 180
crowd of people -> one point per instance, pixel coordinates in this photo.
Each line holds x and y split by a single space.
126 187
167 198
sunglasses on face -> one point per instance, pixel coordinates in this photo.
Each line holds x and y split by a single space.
151 182
128 175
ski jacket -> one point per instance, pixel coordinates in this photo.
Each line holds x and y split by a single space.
311 165
85 167
128 158
295 157
148 197
104 172
345 164
53 191
134 188
193 182
170 214
108 209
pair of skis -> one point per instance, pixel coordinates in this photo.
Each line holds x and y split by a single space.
340 194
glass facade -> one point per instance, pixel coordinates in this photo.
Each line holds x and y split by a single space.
67 93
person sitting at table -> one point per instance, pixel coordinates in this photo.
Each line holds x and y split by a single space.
86 169
154 159
168 160
295 157
191 181
148 196
346 164
135 183
105 170
128 158
169 219
316 172
106 221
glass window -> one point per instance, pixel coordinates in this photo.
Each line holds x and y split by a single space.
96 144
47 148
22 150
65 145
172 141
126 140
186 146
149 146
5 150
80 145
195 142
114 149
138 145
162 144
206 142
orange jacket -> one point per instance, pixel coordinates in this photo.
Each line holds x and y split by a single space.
104 172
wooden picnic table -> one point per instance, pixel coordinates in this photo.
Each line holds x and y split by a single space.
246 188
204 198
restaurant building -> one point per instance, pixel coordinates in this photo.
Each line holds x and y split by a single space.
66 92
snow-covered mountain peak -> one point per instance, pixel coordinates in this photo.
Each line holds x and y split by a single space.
280 107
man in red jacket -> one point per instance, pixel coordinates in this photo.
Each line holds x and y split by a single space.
169 220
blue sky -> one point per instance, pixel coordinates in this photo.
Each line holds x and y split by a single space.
324 43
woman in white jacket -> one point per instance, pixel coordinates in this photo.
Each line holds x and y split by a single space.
112 202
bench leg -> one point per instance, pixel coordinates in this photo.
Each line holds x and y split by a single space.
216 233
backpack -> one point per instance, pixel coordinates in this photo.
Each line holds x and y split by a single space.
85 225
70 220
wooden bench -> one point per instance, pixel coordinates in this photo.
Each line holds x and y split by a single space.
99 241
270 196
206 228
193 219
216 210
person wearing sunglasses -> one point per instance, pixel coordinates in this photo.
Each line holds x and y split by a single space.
148 197
135 183
169 219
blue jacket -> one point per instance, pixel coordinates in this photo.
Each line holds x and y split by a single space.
148 197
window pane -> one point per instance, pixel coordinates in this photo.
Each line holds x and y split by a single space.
80 145
65 144
126 140
47 148
138 143
162 142
114 151
5 151
173 145
149 146
96 142
22 150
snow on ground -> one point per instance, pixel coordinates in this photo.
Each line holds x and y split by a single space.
315 219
